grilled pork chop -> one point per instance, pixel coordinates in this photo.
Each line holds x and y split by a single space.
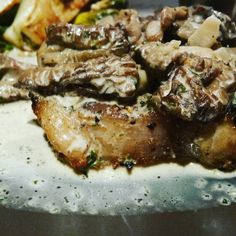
118 135
112 134
212 144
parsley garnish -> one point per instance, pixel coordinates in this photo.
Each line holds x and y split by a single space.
149 103
200 75
181 88
92 160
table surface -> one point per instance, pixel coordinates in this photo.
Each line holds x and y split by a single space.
216 221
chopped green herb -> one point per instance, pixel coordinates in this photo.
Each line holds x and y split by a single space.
181 88
200 75
149 103
92 160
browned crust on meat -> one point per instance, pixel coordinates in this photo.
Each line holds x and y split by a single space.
115 136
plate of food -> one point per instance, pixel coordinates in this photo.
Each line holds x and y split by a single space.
111 110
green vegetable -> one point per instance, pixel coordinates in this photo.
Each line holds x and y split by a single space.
92 160
4 46
200 75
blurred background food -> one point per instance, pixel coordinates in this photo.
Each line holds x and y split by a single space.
23 22
227 6
7 5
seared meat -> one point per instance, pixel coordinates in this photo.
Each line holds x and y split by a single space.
138 135
88 37
218 145
197 88
212 144
118 135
